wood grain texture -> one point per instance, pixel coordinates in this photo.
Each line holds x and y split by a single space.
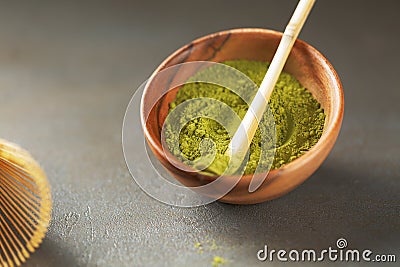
305 63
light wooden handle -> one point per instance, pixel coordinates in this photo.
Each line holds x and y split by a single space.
244 135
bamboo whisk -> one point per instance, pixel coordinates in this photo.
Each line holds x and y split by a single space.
25 204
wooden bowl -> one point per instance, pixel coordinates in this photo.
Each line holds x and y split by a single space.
305 63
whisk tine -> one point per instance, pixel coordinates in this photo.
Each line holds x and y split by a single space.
25 204
13 188
27 182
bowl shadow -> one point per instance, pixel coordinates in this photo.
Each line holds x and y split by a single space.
334 203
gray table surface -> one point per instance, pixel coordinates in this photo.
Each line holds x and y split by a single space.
68 70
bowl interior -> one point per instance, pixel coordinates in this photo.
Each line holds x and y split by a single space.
305 63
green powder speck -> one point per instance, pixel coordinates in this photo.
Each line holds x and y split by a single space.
199 247
299 118
218 261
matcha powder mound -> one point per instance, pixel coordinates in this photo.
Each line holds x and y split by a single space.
299 118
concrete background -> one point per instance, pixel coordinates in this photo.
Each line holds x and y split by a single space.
68 70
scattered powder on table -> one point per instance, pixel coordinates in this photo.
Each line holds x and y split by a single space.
299 118
210 245
199 247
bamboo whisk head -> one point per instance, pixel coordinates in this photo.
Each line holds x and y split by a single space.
25 204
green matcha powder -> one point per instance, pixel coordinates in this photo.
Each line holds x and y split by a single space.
299 118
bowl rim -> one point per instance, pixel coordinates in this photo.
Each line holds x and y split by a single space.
328 133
